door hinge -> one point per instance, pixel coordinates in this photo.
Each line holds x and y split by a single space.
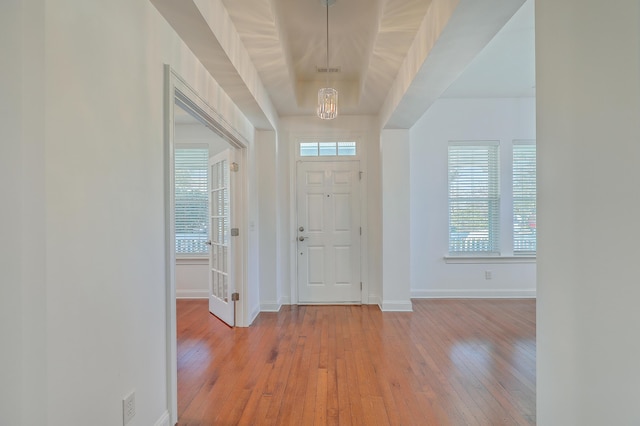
360 285
234 167
235 297
361 175
235 232
361 230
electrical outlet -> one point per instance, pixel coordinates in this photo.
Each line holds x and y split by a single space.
487 275
128 407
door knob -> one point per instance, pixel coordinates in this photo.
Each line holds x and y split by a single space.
209 242
301 238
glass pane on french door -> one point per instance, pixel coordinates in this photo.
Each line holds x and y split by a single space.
220 229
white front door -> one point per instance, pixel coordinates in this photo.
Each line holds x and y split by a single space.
221 282
328 237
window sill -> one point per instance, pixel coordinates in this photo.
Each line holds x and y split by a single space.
489 259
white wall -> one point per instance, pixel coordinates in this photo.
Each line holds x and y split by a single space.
362 128
22 218
588 94
192 278
396 229
88 276
504 120
270 299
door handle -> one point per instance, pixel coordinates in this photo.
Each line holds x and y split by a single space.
301 238
209 242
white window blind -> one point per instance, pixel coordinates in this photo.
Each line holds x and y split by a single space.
191 209
474 198
524 198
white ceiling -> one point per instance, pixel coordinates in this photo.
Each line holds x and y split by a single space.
374 43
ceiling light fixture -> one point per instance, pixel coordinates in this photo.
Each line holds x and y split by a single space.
327 96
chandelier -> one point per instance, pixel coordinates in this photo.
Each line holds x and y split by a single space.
327 96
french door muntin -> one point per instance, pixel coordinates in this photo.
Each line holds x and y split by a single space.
221 276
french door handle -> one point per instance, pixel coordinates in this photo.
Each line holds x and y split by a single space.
301 238
209 242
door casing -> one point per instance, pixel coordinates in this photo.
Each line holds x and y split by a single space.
294 155
177 90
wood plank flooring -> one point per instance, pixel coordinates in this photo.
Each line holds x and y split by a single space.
450 362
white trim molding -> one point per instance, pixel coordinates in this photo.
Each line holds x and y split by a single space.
489 259
474 294
374 299
192 294
270 306
164 420
396 306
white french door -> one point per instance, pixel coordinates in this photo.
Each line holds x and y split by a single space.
328 232
221 277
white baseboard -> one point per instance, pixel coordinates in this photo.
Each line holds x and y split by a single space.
192 294
374 299
164 420
285 300
473 294
270 306
396 306
254 314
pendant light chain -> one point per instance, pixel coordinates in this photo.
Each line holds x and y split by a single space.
327 96
327 70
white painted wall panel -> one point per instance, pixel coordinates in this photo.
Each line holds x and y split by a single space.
396 238
89 271
588 93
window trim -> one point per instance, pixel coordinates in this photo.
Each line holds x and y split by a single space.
336 140
465 259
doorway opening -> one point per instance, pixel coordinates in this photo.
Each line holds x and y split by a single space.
212 208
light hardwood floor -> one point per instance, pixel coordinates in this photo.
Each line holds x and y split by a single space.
450 362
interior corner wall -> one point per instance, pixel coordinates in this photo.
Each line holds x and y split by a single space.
253 252
396 228
588 109
270 298
504 120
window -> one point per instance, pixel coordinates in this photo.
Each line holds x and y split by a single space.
524 198
327 149
191 209
474 198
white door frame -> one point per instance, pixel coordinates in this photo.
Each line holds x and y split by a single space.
177 90
294 155
355 237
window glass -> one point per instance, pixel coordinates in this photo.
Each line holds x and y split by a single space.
474 199
308 149
191 201
524 198
346 148
327 149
